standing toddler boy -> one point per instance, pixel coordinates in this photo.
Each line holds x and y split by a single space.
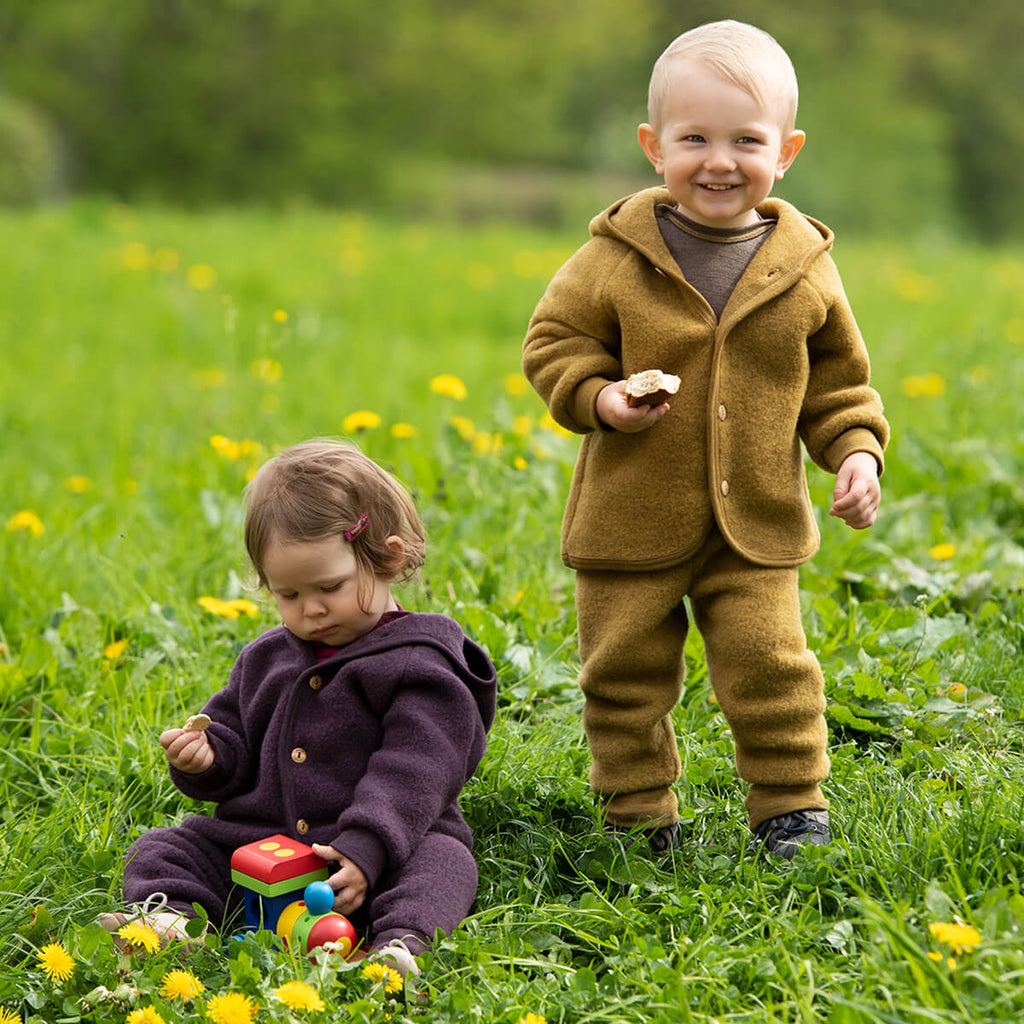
705 496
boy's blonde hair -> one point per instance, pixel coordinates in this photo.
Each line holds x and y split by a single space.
324 488
742 54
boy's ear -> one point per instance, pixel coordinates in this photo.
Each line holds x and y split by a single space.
651 146
788 151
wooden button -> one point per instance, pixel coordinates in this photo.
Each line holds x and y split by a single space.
298 755
725 488
721 412
315 682
302 826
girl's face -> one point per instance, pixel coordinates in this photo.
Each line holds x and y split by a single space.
317 585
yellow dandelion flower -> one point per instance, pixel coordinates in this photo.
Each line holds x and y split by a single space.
183 986
548 422
449 385
147 1015
78 484
464 427
519 462
942 552
297 995
26 520
234 450
280 316
267 370
229 609
403 431
352 259
214 377
528 264
9 1016
1015 331
361 420
114 650
231 1008
484 443
961 938
136 933
135 256
937 957
383 975
532 1018
57 963
931 385
374 971
951 964
228 448
522 425
515 384
957 689
201 276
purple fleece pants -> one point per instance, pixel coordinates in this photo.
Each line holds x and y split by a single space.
433 889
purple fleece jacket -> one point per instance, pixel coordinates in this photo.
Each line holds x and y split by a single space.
367 750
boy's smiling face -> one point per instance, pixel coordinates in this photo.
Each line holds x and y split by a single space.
719 150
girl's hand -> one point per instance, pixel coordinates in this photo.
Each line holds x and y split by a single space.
614 410
857 493
187 750
348 882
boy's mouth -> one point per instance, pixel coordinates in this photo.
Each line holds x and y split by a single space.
719 188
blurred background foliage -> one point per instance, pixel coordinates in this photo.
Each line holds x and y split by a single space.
514 108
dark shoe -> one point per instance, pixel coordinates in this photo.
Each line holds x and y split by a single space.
785 834
661 840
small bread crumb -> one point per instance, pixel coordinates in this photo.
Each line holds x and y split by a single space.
198 723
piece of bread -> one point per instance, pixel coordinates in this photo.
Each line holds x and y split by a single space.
651 387
197 723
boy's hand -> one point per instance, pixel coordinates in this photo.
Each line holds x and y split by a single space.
188 750
348 882
615 411
857 493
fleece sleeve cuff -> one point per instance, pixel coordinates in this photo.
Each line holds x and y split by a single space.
859 439
365 850
583 408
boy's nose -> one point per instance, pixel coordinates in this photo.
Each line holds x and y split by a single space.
313 607
719 159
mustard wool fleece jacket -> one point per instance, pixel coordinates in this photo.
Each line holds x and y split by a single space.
784 363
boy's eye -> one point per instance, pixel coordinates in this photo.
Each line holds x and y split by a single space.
693 138
330 588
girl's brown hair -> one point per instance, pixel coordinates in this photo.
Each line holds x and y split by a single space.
324 488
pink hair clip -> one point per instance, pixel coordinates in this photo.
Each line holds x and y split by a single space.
361 523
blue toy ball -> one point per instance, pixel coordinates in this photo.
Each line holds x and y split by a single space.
319 898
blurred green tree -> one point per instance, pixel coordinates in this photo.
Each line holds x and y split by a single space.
911 110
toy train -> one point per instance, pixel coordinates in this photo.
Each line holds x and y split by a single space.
284 889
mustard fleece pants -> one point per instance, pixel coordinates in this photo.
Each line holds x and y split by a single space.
632 629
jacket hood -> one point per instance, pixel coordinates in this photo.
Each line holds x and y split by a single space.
423 629
632 221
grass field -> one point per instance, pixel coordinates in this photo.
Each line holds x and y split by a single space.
151 359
